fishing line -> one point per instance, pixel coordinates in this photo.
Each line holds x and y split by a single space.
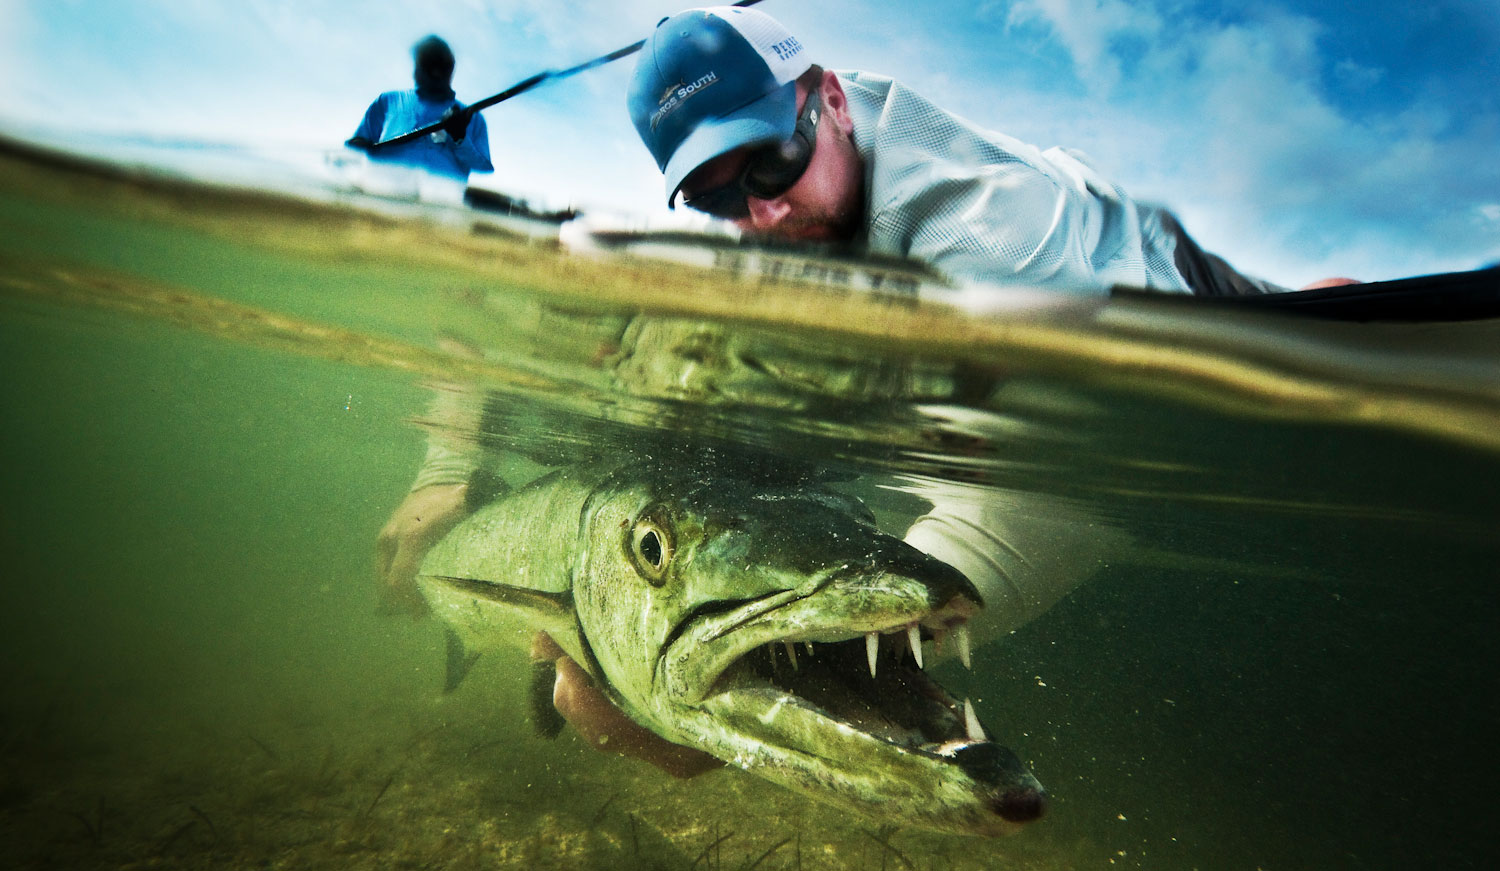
522 87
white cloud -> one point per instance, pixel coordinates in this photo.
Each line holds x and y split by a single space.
17 32
1356 76
1091 30
1232 125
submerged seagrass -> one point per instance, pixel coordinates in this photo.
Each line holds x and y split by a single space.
687 592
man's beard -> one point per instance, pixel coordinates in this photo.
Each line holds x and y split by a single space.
835 225
843 222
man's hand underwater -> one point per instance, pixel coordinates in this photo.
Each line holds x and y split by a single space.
422 518
605 726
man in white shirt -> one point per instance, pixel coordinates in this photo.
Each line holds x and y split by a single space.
744 127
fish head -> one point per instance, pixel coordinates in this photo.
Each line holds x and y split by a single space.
766 623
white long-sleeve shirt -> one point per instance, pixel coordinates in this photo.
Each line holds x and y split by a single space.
984 207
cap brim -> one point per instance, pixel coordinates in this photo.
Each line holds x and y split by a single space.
771 118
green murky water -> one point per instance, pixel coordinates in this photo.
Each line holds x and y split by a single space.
210 404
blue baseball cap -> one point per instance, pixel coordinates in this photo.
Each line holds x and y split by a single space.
712 80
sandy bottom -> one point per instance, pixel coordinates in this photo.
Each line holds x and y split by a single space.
107 780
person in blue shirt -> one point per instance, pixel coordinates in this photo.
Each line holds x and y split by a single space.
461 147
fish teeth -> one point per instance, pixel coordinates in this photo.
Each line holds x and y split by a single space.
914 638
872 649
971 723
791 652
961 641
808 645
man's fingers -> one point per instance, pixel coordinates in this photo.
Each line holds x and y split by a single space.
544 648
606 727
398 584
385 552
422 518
398 601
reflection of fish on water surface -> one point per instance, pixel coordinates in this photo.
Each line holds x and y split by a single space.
761 619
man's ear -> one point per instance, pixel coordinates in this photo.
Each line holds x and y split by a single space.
835 104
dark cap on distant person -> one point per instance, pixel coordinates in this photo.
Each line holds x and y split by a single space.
710 81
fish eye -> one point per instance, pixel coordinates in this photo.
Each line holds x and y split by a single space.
651 549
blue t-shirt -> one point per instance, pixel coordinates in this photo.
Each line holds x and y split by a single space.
396 112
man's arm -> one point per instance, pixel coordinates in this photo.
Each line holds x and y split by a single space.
605 726
1001 224
437 501
370 126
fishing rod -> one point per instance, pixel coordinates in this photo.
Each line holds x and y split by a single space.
520 87
1443 298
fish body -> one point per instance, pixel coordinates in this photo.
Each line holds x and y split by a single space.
762 619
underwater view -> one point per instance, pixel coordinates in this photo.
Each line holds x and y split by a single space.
1275 646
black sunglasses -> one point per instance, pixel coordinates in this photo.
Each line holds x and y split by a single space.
769 172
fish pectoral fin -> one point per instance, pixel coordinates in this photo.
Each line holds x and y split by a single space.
544 715
459 661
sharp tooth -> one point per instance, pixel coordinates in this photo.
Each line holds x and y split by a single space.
808 645
971 723
791 652
914 638
771 655
961 641
872 647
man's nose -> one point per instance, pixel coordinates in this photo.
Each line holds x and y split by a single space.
765 214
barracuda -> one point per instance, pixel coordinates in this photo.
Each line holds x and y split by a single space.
766 622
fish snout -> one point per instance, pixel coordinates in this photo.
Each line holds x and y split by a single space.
1021 805
945 588
951 597
1015 795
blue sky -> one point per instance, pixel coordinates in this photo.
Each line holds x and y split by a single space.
1299 139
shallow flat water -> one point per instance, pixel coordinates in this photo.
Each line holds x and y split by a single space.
212 401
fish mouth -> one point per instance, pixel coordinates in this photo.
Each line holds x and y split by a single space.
832 676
